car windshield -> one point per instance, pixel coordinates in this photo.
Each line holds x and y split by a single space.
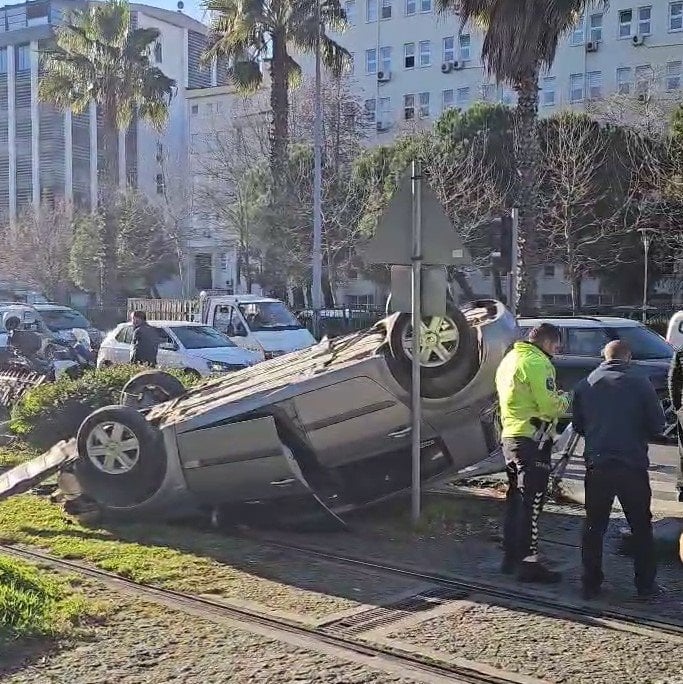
644 343
64 319
201 337
262 316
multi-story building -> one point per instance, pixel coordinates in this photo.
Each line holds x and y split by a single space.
411 63
48 153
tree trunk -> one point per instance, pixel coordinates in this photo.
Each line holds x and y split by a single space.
279 105
575 284
108 186
528 158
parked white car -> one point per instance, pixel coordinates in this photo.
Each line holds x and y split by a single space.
674 335
192 347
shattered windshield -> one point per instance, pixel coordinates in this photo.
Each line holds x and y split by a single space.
262 316
64 319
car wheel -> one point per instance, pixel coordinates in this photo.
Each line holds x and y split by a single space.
121 460
449 352
149 388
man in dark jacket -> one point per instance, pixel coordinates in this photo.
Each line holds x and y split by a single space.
145 344
617 411
676 396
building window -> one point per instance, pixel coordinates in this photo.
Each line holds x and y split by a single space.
350 11
676 16
624 80
160 183
370 107
158 54
425 5
465 44
549 271
160 152
425 53
371 61
594 83
447 99
576 88
463 96
644 21
195 110
360 301
578 32
385 59
386 9
449 49
3 60
371 10
489 92
625 19
411 6
409 107
596 28
643 79
673 76
409 55
424 105
385 111
350 63
23 57
549 91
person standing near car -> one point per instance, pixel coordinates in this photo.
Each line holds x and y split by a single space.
530 405
676 396
145 344
617 412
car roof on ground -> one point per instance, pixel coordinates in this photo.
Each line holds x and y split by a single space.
581 322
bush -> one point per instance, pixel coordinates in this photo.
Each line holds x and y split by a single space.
54 411
33 604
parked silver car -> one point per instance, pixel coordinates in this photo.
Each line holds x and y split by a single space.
326 429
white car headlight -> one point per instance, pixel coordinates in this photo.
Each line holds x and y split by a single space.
223 367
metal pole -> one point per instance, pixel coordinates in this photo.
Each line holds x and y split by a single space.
416 402
317 256
646 263
514 267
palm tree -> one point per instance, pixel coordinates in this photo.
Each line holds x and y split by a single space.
97 56
521 39
247 32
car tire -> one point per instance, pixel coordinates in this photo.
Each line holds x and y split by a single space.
440 377
149 388
121 459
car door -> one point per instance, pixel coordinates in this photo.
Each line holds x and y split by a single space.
228 320
120 350
168 355
581 353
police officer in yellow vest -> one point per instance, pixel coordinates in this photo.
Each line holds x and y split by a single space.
530 405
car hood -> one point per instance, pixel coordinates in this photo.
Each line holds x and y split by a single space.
233 355
284 340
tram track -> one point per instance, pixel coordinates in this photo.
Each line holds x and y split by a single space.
506 594
421 668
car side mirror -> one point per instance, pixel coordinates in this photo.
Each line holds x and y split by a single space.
168 346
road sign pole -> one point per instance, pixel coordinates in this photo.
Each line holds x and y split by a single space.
416 405
514 274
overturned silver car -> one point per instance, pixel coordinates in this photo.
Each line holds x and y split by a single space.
322 430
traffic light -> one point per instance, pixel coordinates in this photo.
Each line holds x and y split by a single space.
501 243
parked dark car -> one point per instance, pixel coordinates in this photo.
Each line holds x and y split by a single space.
584 338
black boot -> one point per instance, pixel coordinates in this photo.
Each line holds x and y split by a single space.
537 573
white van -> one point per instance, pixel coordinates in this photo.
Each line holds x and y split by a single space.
259 324
674 334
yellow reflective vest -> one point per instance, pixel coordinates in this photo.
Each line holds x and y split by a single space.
525 382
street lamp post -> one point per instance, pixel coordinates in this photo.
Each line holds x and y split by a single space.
645 237
316 256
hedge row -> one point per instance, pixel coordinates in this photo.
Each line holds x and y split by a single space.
54 411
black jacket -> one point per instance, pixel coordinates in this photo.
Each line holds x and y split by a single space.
617 411
676 380
145 345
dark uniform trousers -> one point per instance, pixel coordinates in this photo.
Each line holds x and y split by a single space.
528 471
632 487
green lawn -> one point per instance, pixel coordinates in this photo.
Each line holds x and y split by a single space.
34 603
15 454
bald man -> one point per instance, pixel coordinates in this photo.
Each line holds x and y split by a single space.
617 412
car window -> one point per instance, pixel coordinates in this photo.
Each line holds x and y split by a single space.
165 338
201 337
125 335
644 343
64 319
585 342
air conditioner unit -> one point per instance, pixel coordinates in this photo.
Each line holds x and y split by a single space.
592 46
638 40
447 67
383 76
382 126
458 64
